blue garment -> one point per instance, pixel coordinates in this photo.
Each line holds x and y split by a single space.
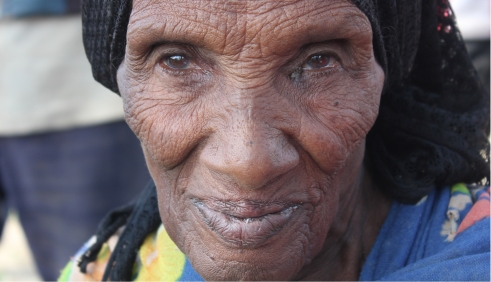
413 245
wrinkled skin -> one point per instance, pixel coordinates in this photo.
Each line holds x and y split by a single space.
253 116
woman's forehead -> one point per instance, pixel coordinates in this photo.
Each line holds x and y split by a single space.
237 7
227 26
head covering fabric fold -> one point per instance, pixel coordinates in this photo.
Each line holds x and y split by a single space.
104 35
434 115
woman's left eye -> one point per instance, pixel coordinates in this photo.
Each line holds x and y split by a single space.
318 62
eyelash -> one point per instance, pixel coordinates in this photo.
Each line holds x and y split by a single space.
174 72
325 72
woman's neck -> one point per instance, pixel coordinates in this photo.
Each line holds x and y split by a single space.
351 237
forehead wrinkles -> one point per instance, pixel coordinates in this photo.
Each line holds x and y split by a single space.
243 29
206 24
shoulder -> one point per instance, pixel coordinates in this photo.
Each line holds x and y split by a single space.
467 258
443 237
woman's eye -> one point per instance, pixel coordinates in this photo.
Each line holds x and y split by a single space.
318 62
176 62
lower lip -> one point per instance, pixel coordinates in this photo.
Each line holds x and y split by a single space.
245 232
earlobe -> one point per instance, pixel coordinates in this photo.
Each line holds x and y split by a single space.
381 78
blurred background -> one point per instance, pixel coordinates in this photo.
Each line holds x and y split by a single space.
66 155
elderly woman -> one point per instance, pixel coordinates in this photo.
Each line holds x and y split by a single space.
296 139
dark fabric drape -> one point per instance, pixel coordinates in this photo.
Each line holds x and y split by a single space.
139 219
434 114
105 23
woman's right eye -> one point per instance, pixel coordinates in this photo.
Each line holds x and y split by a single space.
176 62
319 61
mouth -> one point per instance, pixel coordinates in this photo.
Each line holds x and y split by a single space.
245 224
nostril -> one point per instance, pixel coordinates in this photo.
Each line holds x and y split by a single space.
251 164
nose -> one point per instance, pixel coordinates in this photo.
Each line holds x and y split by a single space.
250 154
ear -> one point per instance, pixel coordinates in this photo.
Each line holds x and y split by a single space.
122 81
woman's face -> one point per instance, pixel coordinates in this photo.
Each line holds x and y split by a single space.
252 116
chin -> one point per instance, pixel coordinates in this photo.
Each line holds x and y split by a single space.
257 265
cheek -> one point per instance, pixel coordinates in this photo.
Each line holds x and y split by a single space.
168 123
166 132
173 207
339 118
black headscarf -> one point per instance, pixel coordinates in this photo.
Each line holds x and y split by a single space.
434 113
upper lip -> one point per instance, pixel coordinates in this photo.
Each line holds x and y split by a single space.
245 208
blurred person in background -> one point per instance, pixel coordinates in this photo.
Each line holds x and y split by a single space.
66 154
473 21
